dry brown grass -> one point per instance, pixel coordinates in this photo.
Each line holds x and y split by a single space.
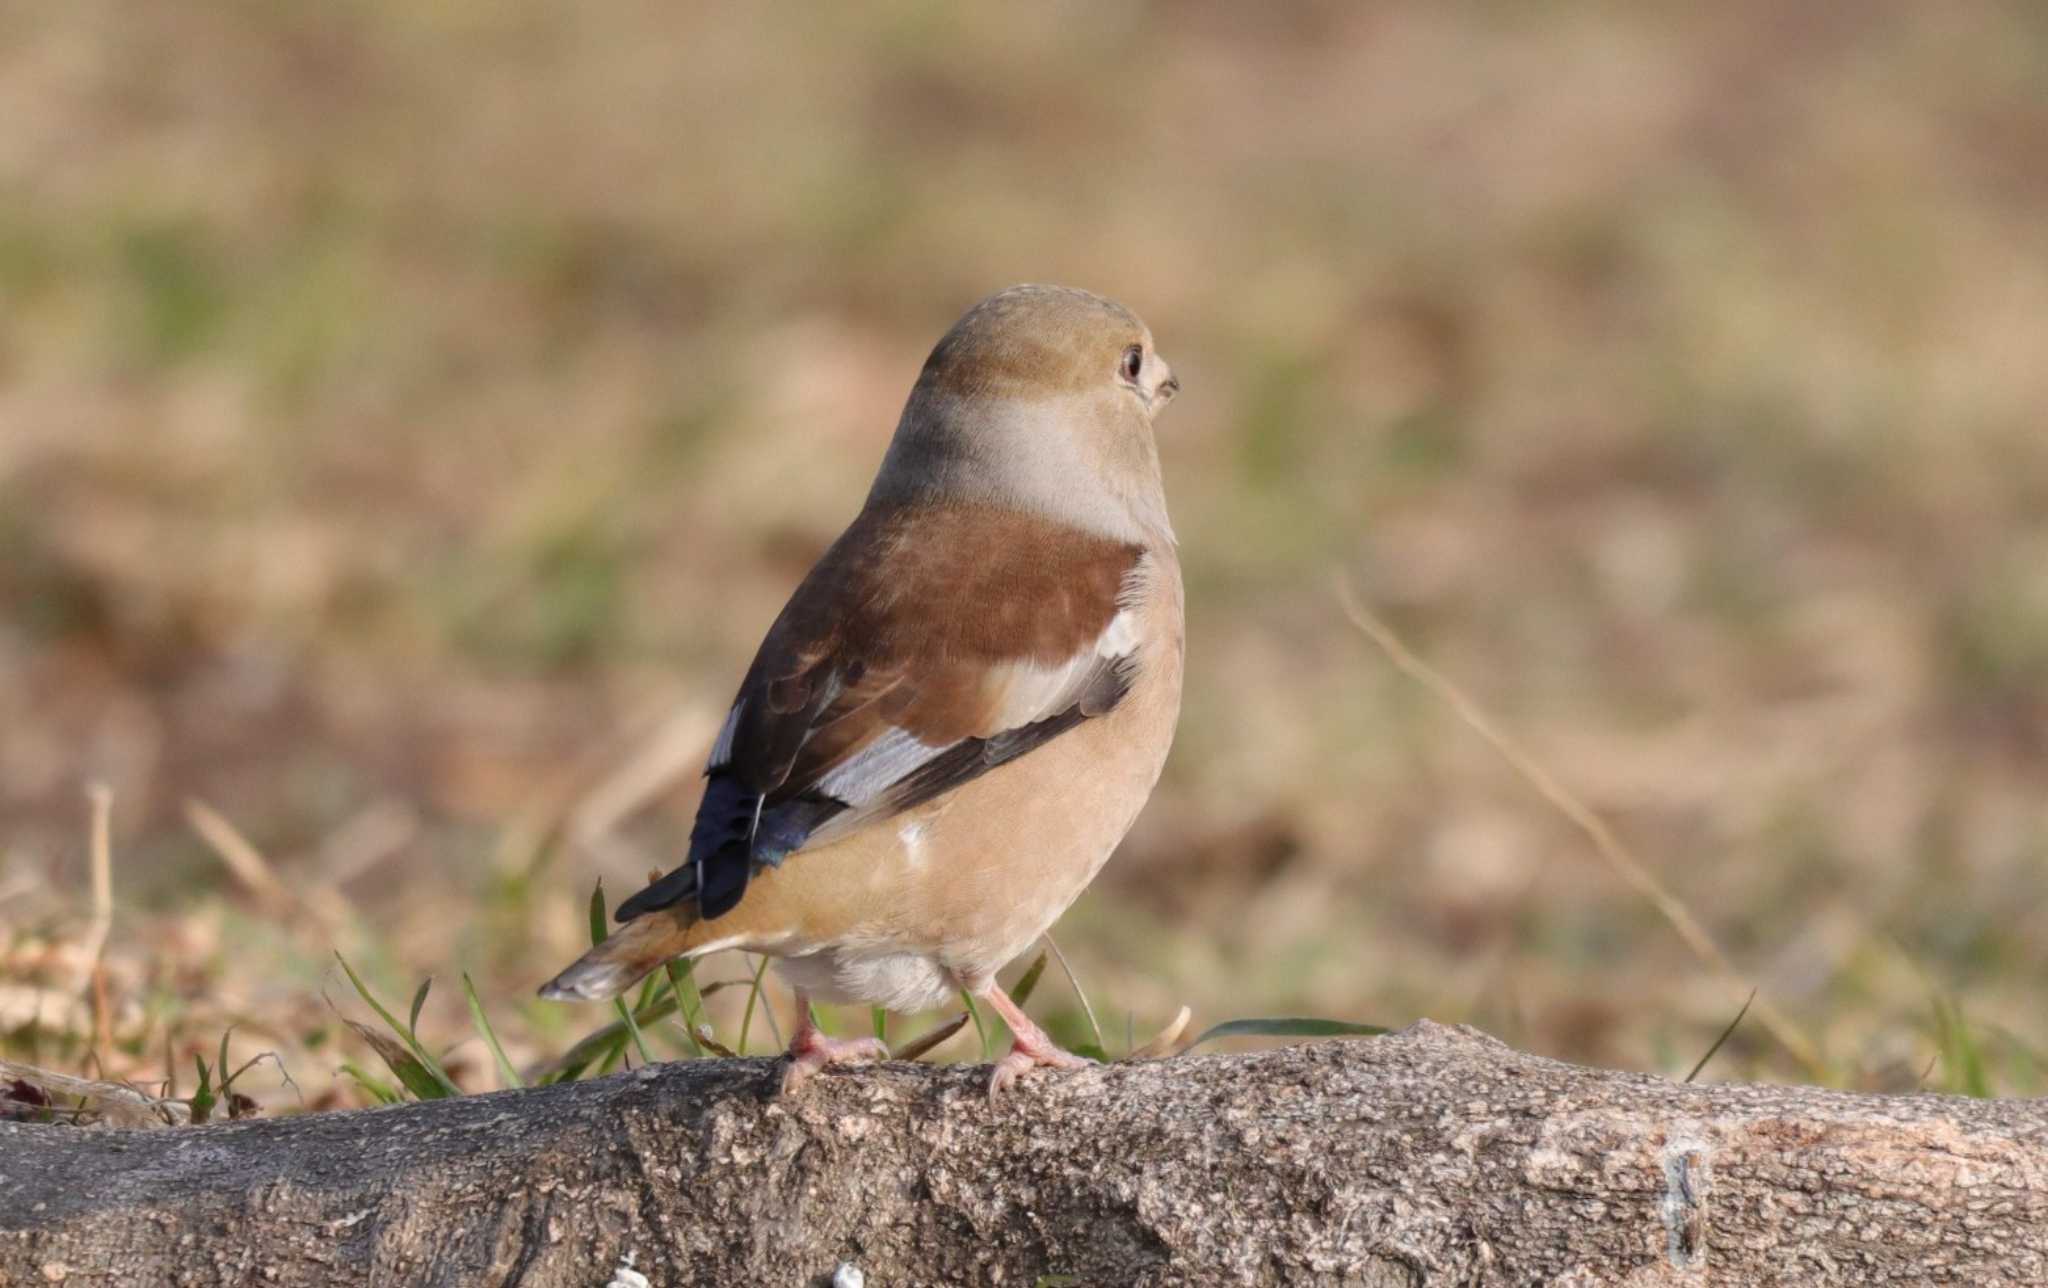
410 417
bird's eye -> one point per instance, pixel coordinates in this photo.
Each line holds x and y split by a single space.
1134 358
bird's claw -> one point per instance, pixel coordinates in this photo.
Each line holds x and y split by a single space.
1025 1057
812 1051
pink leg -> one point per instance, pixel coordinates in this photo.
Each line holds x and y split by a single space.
810 1050
1031 1048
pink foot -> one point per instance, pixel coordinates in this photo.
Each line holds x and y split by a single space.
811 1051
1025 1055
1031 1049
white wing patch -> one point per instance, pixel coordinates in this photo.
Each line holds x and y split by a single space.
721 748
877 767
1121 637
1030 692
1020 693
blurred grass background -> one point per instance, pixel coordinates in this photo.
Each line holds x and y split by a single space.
411 416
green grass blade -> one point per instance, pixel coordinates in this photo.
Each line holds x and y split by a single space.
598 926
419 999
1288 1027
401 1060
1725 1035
506 1073
682 986
1094 1029
1962 1055
1029 980
918 1046
880 1018
601 1044
980 1028
420 1053
753 996
632 1029
203 1099
376 1088
649 987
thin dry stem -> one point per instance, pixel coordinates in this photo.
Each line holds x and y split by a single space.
116 1103
102 1018
247 864
102 847
1605 843
1075 981
243 860
102 798
925 1043
1164 1041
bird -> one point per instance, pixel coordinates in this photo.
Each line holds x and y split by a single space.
963 706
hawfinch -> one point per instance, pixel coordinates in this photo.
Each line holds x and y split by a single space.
962 708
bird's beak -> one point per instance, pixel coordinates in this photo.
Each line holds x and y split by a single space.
1163 392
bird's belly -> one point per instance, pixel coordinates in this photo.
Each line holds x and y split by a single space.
896 981
1010 852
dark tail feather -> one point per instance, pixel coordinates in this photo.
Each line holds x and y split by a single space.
735 830
677 886
725 880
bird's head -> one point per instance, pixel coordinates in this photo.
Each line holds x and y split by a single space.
1040 342
1042 397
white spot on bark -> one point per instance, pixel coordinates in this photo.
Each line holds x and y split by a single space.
848 1275
627 1277
1684 1206
347 1222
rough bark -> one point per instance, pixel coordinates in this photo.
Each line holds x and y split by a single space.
1433 1156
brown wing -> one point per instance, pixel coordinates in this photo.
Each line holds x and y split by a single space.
928 645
